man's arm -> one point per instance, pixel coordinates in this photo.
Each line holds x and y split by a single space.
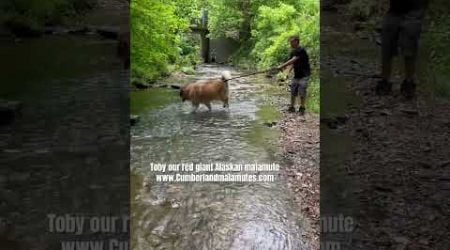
291 61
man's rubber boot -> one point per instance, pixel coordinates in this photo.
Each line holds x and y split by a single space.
291 109
408 89
383 87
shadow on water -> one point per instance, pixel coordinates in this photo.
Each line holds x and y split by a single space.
257 215
67 148
48 59
337 188
336 143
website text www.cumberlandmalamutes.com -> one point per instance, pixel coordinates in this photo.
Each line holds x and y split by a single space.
215 172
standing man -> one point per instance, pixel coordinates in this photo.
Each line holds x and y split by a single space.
300 61
402 27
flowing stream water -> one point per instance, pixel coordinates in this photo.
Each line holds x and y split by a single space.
210 215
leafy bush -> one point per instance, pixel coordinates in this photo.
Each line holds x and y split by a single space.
435 46
159 38
272 28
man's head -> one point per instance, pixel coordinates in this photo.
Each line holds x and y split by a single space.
294 41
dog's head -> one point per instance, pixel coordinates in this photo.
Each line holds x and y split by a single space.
183 93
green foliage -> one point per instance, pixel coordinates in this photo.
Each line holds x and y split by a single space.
225 18
270 23
272 28
234 18
160 40
435 44
159 37
313 101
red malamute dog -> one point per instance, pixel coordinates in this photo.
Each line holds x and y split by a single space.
206 91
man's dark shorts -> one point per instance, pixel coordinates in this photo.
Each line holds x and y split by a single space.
299 86
401 34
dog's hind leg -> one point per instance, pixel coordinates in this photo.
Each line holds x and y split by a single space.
194 107
209 106
225 103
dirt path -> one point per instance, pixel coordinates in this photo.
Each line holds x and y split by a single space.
399 159
300 141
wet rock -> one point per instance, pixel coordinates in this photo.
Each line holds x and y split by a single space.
188 70
107 32
79 31
134 119
162 86
334 123
270 124
378 41
385 112
55 30
141 85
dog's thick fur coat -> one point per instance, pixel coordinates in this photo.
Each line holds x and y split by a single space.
206 91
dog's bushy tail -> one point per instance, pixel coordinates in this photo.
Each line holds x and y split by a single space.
226 75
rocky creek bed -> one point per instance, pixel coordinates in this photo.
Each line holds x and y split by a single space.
278 215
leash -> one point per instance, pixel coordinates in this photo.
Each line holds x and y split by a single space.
254 73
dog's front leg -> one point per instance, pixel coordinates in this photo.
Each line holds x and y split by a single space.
209 106
194 107
225 103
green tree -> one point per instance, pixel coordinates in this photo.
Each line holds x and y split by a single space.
160 37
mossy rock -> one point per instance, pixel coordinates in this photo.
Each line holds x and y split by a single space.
140 85
188 70
134 119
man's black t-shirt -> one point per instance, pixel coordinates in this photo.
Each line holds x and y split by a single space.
301 66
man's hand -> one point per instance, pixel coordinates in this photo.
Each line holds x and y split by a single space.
275 69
